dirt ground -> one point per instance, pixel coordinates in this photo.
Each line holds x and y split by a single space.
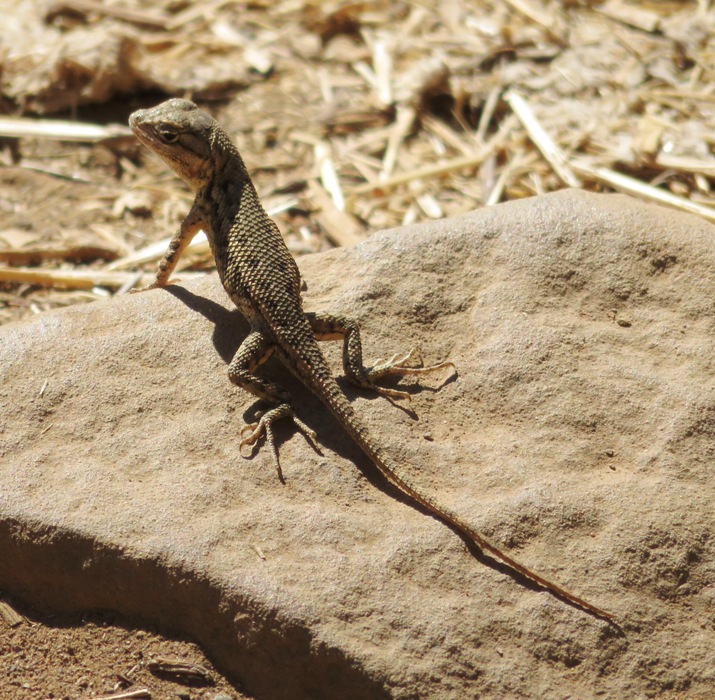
98 655
624 84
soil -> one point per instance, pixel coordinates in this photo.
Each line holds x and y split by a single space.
97 655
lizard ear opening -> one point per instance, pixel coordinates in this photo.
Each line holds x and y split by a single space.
167 132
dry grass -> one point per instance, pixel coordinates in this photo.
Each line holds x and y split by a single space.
352 117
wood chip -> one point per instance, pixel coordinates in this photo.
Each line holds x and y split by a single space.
328 174
553 154
630 185
176 667
9 615
77 254
126 695
341 228
58 130
135 16
631 14
73 279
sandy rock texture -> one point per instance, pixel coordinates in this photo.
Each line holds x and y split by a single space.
579 435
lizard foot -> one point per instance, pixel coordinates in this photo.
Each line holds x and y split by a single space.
251 433
400 365
153 285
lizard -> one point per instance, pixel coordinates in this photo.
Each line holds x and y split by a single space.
262 279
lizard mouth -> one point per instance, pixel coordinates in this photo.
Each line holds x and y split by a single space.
141 126
143 132
135 123
135 119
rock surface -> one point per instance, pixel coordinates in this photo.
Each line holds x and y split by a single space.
579 435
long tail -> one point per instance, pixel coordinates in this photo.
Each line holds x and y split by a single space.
343 411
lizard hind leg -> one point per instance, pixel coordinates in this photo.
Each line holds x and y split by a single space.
252 353
251 433
329 327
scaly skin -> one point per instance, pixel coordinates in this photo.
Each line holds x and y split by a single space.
261 277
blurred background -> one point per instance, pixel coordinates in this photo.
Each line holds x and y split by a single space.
351 116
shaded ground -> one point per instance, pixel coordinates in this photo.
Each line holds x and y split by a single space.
93 655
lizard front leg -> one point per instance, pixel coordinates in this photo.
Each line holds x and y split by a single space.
252 353
190 226
331 327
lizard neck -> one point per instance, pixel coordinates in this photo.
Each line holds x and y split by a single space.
231 205
225 155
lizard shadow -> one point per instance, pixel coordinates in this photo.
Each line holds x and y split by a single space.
231 328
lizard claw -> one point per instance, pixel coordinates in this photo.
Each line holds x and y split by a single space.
138 290
154 285
251 433
400 365
406 363
396 394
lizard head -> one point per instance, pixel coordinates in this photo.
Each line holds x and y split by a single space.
181 134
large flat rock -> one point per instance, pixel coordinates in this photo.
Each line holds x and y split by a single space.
579 435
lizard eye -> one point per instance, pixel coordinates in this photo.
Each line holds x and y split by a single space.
167 133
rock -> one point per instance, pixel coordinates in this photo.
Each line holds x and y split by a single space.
582 445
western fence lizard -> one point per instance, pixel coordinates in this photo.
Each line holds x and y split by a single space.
262 279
